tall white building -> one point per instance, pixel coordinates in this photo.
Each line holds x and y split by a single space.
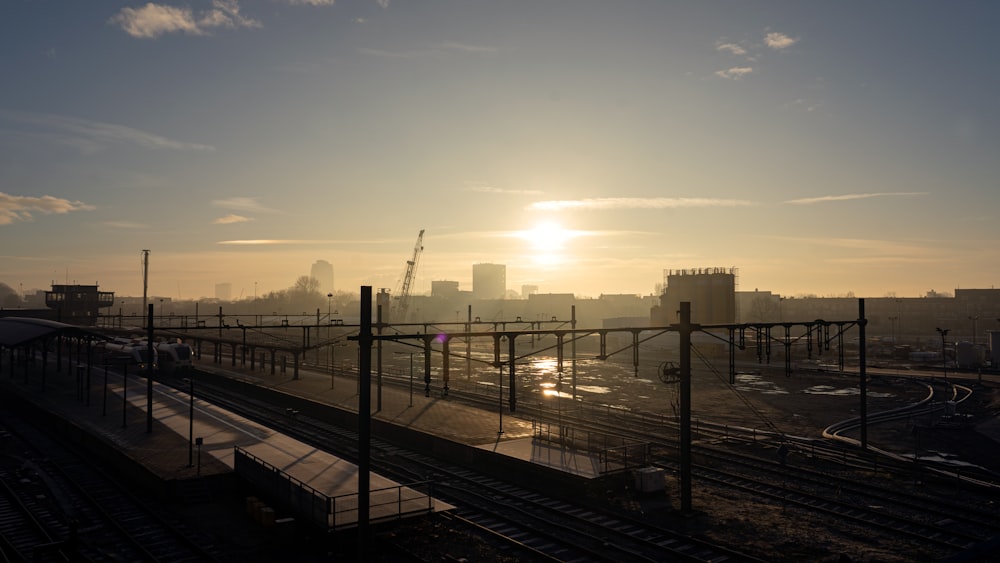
224 291
489 281
322 271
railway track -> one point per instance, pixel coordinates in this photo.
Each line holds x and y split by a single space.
537 525
79 512
945 521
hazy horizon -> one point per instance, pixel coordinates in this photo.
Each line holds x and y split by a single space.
825 149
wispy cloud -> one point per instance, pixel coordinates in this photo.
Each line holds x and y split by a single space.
495 190
304 242
92 135
779 41
21 208
731 48
384 4
848 197
241 203
231 219
734 73
453 46
440 50
153 20
311 2
636 203
123 225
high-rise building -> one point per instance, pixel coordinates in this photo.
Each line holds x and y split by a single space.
224 291
489 281
444 289
528 290
322 271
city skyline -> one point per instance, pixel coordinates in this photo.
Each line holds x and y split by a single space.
818 149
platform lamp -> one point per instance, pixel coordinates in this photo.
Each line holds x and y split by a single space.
190 383
944 358
410 354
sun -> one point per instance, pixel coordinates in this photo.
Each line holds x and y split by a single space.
548 237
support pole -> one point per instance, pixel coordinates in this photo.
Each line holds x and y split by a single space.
511 354
685 392
378 358
573 348
863 372
149 370
364 420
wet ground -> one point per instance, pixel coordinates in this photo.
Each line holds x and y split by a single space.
801 403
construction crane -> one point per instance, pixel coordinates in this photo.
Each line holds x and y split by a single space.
402 300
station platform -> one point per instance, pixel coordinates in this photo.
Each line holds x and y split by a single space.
100 408
167 447
436 415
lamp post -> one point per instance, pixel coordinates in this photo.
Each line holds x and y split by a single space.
974 319
190 383
944 358
411 373
500 403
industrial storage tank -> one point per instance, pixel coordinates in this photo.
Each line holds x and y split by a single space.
969 355
994 340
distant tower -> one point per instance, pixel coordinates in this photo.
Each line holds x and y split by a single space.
323 272
444 289
224 291
711 292
527 290
489 281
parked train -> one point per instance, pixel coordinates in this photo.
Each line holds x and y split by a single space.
169 357
130 352
174 357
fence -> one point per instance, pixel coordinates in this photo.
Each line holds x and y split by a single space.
330 512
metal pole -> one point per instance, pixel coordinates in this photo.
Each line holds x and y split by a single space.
500 395
863 360
190 421
104 400
149 369
411 379
685 400
124 389
378 358
364 420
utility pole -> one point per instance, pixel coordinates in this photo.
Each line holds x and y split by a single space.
145 276
684 329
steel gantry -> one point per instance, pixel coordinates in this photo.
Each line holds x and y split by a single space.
816 334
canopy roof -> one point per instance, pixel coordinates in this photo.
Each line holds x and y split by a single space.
15 331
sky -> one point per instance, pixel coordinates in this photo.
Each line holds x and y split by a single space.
819 148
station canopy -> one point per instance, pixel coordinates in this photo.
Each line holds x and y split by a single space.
17 331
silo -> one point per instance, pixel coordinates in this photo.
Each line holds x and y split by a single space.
994 340
969 355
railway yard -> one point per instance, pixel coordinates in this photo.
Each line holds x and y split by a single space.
826 501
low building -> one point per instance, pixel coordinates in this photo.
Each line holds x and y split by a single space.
78 304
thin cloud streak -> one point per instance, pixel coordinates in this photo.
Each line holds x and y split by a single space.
616 203
731 48
288 242
848 197
492 190
95 132
232 219
21 208
241 203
